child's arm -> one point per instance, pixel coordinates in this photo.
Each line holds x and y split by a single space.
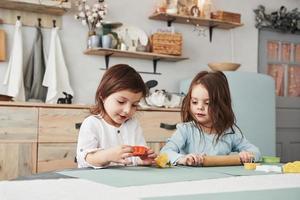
247 151
191 160
175 144
106 156
90 154
148 159
140 140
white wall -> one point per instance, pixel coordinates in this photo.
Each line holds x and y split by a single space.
84 70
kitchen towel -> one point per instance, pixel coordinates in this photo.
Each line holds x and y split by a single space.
56 77
35 70
14 74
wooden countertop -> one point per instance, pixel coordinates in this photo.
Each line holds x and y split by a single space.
73 106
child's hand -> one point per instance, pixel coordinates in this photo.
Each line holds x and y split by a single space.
119 154
191 160
149 158
246 157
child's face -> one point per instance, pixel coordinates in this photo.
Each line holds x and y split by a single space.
120 106
199 105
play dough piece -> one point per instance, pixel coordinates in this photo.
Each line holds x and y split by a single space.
292 167
162 160
139 150
270 159
250 166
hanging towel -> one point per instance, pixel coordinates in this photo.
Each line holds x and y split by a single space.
14 74
56 76
35 70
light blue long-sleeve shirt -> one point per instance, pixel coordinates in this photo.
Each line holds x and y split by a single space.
188 139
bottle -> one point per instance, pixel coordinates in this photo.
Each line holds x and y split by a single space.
207 8
123 46
127 40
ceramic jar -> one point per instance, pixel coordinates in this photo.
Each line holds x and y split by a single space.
93 40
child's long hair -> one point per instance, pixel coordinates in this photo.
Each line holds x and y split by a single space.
117 78
219 109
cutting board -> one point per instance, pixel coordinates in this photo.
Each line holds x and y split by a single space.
2 45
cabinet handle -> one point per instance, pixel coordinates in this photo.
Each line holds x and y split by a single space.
77 125
168 126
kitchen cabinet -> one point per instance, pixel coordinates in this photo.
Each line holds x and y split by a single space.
153 123
58 137
37 137
18 141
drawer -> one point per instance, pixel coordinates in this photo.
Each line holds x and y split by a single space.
150 122
18 124
17 159
58 125
56 156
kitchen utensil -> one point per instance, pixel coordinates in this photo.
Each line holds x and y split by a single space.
221 160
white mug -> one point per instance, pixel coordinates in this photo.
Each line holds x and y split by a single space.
106 41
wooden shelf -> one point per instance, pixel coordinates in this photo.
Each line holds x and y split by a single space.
133 54
44 6
194 20
130 54
211 23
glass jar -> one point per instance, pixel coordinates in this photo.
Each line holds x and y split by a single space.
172 7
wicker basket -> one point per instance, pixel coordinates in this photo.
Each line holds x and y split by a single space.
226 16
167 43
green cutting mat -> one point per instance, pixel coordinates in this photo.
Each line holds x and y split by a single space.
134 176
278 194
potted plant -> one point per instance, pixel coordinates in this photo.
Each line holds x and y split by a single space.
92 17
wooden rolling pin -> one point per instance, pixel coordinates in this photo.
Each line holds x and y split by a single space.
210 161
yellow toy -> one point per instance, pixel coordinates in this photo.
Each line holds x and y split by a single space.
162 160
292 167
250 166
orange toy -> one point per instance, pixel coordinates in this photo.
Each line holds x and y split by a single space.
139 150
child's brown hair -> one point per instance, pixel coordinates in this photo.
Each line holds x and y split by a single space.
219 108
117 78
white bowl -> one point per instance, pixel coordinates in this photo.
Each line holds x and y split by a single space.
224 66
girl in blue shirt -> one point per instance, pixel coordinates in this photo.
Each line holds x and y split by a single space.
209 126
